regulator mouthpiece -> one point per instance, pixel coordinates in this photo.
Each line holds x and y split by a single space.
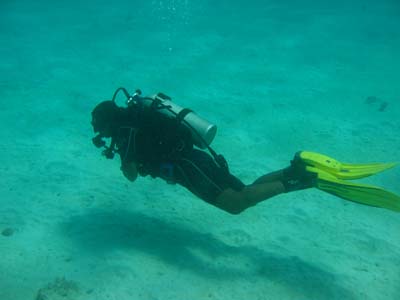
98 141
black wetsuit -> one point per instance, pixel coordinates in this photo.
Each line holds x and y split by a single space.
161 147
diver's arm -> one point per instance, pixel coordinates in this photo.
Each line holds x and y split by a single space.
130 170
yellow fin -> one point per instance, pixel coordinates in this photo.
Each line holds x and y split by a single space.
356 192
340 170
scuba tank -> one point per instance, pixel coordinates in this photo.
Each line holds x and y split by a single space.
202 131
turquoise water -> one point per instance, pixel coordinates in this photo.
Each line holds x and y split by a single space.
275 76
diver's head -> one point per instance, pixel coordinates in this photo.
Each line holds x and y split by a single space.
105 118
105 122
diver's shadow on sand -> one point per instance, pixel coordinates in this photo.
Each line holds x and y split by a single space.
102 232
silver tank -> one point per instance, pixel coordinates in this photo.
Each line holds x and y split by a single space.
205 129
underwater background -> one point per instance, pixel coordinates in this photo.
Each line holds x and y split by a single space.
275 76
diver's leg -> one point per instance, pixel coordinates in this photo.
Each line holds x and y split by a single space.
273 176
295 170
235 202
293 177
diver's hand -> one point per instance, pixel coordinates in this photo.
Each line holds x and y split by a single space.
130 171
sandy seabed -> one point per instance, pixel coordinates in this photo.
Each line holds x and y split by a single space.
276 77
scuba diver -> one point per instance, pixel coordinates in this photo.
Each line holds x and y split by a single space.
155 136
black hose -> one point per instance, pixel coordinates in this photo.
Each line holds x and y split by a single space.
117 91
